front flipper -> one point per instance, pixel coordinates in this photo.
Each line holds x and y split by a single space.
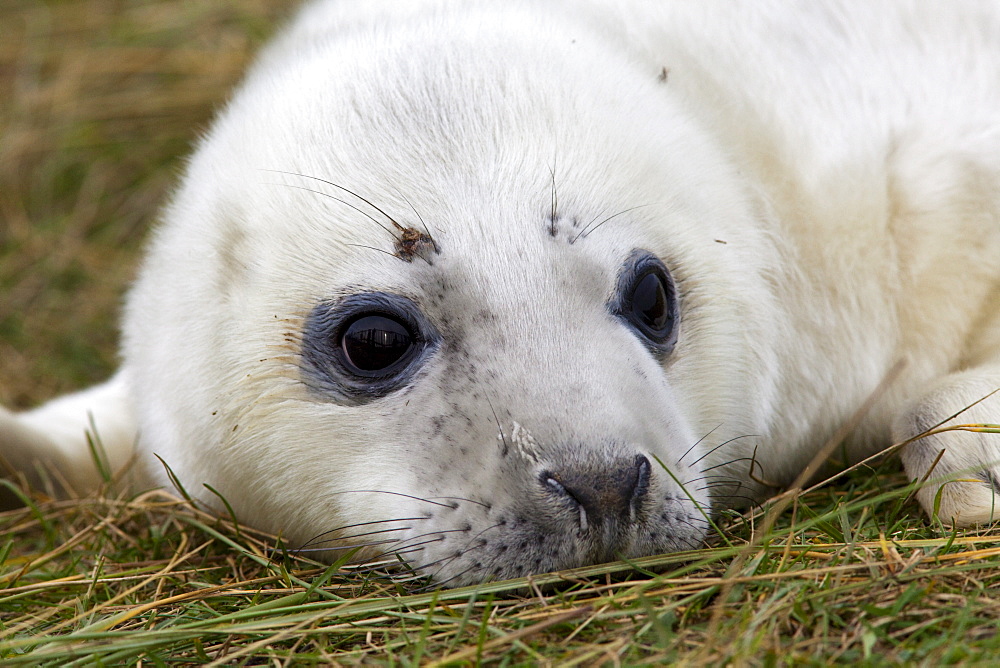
961 467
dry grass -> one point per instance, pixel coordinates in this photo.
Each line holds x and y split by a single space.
850 574
101 101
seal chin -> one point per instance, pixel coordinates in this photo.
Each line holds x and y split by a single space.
518 543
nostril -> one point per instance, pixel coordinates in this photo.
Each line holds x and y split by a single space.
549 480
611 490
641 486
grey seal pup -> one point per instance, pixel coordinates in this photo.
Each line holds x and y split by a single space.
509 287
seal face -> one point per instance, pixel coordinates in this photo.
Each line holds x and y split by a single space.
562 492
543 505
500 498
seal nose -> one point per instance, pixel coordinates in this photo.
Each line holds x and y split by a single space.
612 492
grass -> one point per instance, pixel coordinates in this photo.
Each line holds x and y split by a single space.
102 100
849 573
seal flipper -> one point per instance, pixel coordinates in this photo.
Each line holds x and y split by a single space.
51 445
961 468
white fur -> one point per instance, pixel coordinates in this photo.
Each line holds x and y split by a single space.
822 180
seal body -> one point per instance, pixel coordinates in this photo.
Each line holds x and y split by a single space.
508 287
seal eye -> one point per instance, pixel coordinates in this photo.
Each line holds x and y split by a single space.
651 310
373 343
646 301
365 346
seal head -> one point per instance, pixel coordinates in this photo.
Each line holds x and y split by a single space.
437 298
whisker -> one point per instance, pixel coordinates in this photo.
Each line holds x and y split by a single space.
717 477
469 542
441 563
586 232
599 214
416 547
462 498
405 543
444 583
695 444
342 201
731 461
396 553
460 553
735 438
371 567
423 223
357 535
389 560
382 491
340 187
392 552
693 543
554 197
332 548
503 439
361 524
691 519
749 500
718 484
376 249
